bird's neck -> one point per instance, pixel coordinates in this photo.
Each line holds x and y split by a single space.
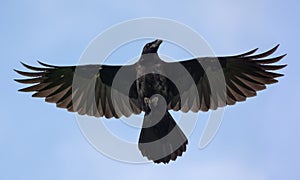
151 58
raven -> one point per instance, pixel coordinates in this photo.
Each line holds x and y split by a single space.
147 87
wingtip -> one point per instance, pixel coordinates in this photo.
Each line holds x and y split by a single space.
273 49
46 65
17 71
276 47
22 90
247 53
32 67
252 51
265 54
17 80
40 62
23 64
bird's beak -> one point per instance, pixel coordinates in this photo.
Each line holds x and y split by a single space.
156 43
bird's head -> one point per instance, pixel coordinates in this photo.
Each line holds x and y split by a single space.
152 47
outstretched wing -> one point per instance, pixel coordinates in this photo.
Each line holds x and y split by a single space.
226 80
85 89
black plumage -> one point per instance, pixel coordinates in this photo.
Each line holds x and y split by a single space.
89 89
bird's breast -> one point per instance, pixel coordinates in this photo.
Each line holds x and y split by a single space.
151 80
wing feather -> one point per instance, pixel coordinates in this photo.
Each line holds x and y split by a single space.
244 75
86 89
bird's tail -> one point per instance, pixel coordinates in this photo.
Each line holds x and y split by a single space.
162 141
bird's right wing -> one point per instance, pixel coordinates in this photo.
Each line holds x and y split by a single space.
86 89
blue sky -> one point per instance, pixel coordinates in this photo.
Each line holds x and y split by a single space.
258 139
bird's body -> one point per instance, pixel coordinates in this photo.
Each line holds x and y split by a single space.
150 83
152 89
89 89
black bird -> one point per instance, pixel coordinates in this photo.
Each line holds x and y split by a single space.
151 85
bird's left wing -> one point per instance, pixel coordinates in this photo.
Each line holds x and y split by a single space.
221 81
86 89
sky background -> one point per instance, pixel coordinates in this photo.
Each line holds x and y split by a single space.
258 139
